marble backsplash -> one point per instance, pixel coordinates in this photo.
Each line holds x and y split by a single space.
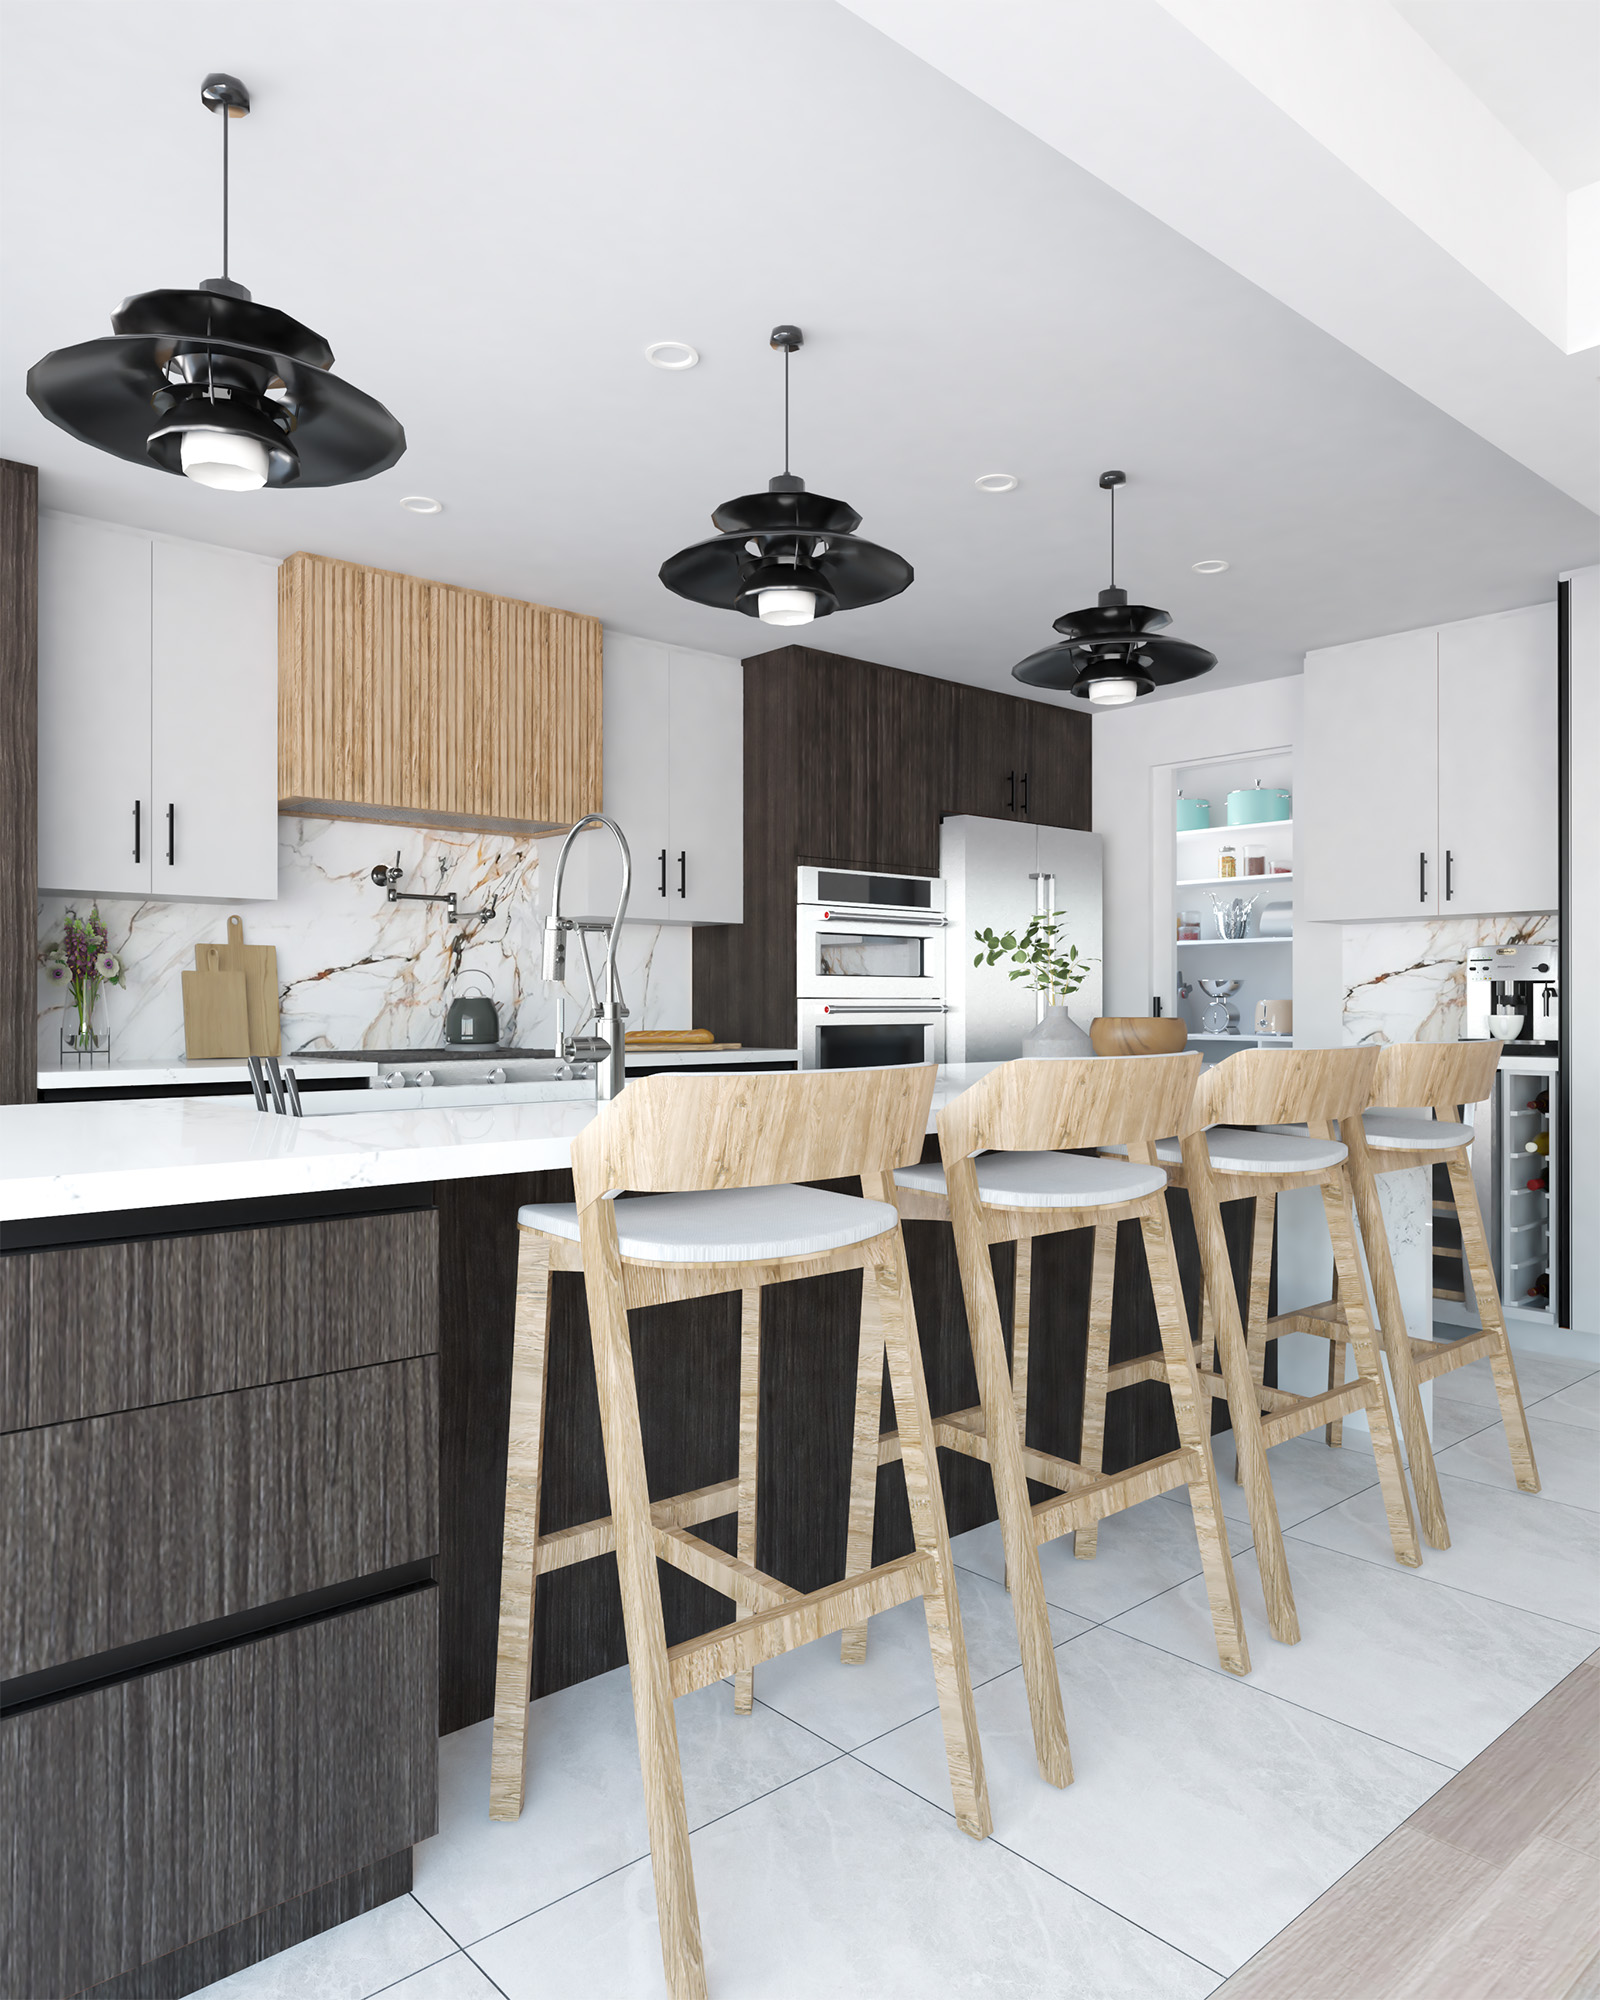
357 971
1407 982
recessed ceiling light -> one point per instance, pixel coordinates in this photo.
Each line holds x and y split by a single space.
1212 566
996 482
419 503
672 354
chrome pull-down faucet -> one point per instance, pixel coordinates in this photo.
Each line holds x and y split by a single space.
605 998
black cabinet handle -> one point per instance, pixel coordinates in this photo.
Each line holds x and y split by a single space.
683 872
1422 877
1449 874
172 836
662 858
1024 791
1011 793
136 829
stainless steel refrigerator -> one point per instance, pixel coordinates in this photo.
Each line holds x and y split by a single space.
997 874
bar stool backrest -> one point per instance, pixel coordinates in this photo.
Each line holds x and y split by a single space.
679 1134
1440 1074
1283 1087
1037 1106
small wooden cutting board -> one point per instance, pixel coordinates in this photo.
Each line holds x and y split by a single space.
216 1013
257 965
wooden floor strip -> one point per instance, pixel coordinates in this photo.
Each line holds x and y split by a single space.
1488 1890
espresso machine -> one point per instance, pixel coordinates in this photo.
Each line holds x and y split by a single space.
1512 997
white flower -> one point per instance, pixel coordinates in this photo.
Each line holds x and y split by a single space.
55 972
108 965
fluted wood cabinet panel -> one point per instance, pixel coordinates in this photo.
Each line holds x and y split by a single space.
424 704
125 1528
167 1807
114 1326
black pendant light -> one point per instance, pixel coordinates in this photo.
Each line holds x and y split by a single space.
786 556
211 386
1109 654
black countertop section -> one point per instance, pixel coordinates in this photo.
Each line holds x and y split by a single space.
453 1052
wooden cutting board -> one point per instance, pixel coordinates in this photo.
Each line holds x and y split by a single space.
216 1013
257 964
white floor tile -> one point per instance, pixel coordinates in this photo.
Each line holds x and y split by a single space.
1568 1459
1306 1477
1505 1546
451 1979
1202 1810
1538 1374
1417 1664
1140 1553
1453 1420
850 1705
584 1810
364 1956
1579 1404
843 1883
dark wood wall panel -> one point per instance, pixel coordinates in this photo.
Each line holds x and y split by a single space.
19 782
121 1325
124 1528
171 1806
855 764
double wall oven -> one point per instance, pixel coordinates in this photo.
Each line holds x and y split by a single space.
869 963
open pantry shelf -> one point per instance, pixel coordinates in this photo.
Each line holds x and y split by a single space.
1196 944
1232 881
1254 826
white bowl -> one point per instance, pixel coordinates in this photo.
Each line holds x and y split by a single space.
1505 1027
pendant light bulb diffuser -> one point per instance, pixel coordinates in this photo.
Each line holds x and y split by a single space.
786 607
226 460
1112 693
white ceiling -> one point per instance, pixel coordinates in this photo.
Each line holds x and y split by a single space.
1535 64
490 207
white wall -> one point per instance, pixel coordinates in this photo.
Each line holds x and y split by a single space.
1581 1002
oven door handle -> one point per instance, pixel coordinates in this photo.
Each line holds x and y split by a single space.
865 921
883 1006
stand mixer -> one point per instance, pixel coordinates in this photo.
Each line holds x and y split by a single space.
1222 1017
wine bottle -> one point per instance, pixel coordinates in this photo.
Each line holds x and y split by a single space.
1540 1145
1541 1102
1538 1184
1540 1288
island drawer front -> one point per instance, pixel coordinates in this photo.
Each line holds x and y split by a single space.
88 1330
125 1528
162 1808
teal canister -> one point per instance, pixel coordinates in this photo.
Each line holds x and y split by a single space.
1193 814
1259 804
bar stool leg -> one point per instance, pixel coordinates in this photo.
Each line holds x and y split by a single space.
1333 1433
1096 1364
1239 1384
1396 1339
1475 1248
744 1681
1021 1315
519 1554
676 1908
1039 1671
864 1461
1380 1419
1264 1213
889 1287
1192 1410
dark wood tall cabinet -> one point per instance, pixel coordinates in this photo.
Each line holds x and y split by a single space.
854 765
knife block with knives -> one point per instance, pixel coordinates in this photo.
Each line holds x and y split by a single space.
230 1000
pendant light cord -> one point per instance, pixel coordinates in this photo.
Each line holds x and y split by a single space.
786 411
1113 538
225 123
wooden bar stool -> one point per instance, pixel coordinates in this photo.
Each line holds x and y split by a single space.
712 1159
1021 1186
1436 1079
1216 1162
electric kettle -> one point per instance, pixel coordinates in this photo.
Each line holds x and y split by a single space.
472 1018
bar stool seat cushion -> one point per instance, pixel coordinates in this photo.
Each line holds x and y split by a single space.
1405 1130
727 1225
1044 1180
1241 1152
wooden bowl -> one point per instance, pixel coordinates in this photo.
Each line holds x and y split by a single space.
1137 1035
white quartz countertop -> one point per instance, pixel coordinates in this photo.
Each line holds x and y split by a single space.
706 1058
124 1076
87 1158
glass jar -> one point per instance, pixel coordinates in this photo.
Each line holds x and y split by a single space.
1227 862
1188 927
1255 861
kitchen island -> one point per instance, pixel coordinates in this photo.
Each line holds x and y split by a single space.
254 1393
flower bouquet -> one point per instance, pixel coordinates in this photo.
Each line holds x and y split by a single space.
84 962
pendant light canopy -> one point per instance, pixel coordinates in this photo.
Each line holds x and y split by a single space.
214 387
786 556
1110 654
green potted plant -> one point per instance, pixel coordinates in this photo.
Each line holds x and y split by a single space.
1052 969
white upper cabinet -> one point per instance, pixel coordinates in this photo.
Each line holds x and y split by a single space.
674 783
1426 774
158 745
1366 788
1498 779
95 822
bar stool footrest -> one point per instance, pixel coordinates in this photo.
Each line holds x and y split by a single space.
1306 1413
1438 1357
565 1546
1111 1494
